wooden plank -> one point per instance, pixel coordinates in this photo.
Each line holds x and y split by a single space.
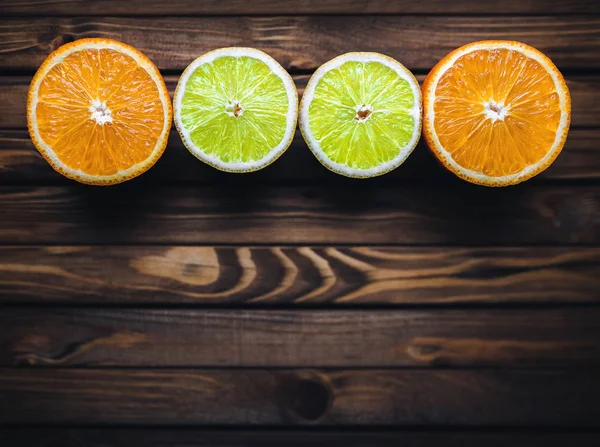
13 95
172 437
265 338
247 214
292 397
237 7
585 96
418 42
298 276
21 164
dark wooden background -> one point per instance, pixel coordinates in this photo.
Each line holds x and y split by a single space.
292 306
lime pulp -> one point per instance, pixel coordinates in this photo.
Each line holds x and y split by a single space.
362 114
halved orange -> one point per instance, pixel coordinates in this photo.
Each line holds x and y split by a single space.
98 111
496 113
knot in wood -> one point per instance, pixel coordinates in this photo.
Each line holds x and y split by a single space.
310 398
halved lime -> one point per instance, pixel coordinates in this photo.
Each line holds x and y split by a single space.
361 114
236 109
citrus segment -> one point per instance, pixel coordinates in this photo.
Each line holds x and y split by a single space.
235 109
99 111
361 114
496 112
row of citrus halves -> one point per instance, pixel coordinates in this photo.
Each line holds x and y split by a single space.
494 112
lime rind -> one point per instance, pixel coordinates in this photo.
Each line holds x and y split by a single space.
347 85
236 109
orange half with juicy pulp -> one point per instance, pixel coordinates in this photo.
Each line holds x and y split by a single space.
99 111
496 113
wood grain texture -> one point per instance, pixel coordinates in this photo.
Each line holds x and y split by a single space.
291 397
153 437
256 276
302 338
419 42
248 214
21 164
238 7
585 97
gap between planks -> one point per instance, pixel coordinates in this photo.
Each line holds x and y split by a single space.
291 7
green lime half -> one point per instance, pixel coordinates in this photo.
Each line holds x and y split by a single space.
236 109
361 114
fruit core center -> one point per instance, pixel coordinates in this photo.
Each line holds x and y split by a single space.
363 113
495 111
234 108
100 112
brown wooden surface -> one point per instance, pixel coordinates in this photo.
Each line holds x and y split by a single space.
290 397
450 314
244 213
242 338
178 437
298 276
418 42
240 7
